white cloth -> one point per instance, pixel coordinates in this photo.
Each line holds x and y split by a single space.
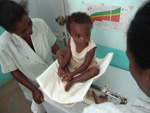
37 108
15 53
80 57
54 87
134 106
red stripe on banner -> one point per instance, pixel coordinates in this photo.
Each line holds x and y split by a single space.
93 19
115 18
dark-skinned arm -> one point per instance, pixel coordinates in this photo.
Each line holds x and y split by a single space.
36 93
67 57
55 48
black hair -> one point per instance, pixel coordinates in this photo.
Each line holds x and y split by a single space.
10 13
78 17
138 37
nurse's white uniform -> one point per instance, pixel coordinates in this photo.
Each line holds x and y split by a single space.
136 105
15 53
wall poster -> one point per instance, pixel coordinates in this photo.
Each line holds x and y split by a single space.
108 16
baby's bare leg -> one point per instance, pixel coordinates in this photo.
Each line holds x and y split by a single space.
87 75
83 77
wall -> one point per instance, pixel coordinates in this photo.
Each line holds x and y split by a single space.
3 77
108 40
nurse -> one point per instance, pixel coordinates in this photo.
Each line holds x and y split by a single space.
26 48
138 52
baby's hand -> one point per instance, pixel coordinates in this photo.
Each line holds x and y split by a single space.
67 77
60 72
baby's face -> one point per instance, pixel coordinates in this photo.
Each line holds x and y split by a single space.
80 32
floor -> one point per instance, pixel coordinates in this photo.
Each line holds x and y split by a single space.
12 99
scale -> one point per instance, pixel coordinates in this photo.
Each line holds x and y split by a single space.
111 96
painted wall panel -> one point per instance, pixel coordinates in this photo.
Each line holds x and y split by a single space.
3 77
119 59
1 30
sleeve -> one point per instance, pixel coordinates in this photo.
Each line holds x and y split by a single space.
6 62
106 107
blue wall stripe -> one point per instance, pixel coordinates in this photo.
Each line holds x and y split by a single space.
4 77
119 60
1 30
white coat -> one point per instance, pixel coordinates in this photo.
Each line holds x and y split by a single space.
15 53
136 105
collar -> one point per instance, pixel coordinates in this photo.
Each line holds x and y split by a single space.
24 49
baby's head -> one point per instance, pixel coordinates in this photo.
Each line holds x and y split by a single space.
79 27
79 18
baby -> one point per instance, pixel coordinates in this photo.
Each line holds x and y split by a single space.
80 53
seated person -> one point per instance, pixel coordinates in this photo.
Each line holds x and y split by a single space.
80 51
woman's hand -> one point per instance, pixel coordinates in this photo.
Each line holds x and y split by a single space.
99 99
37 96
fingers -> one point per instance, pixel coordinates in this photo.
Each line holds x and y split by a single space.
104 99
60 73
99 99
38 97
65 79
62 79
96 98
41 99
38 101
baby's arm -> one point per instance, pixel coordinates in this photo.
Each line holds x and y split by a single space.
84 66
65 60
